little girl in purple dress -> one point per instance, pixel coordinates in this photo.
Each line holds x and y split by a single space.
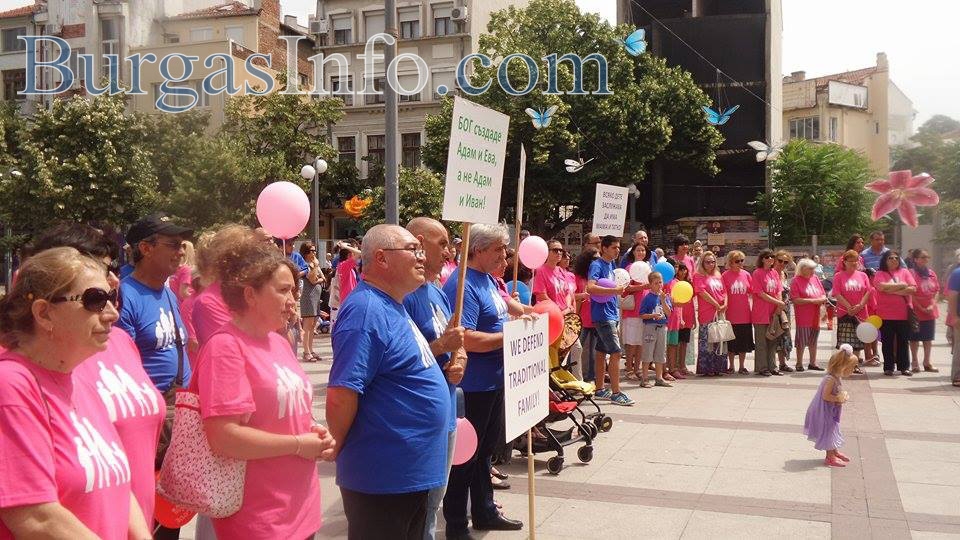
822 425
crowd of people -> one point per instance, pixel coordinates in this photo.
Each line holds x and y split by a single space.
91 362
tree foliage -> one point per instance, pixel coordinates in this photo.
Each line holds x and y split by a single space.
817 189
654 111
420 194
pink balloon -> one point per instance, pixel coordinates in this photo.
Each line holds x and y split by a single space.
533 252
466 443
283 209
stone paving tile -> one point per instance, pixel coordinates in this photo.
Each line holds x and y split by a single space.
655 476
713 525
934 414
810 485
677 445
928 535
923 450
930 499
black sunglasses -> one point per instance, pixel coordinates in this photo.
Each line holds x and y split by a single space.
768 256
93 299
557 250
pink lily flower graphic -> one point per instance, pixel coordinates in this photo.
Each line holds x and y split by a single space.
903 192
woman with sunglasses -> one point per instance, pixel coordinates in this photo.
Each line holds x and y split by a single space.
310 299
256 400
66 473
765 286
736 281
925 309
895 286
711 303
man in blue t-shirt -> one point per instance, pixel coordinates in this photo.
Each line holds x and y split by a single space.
606 319
873 254
388 404
431 310
484 313
953 307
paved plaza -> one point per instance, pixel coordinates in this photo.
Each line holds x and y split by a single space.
725 457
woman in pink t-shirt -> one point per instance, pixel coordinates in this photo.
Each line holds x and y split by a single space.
895 286
65 471
766 287
807 295
256 400
736 281
711 303
852 290
549 282
570 293
925 309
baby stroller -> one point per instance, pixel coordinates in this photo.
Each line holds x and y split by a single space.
554 440
571 388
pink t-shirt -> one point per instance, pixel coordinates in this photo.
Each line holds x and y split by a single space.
571 287
852 287
585 316
637 298
210 312
682 315
184 275
690 264
186 314
806 315
712 285
737 285
892 306
927 289
346 273
238 374
764 281
449 268
553 283
134 406
57 445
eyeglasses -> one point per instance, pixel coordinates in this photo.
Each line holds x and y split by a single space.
738 261
418 253
93 299
782 261
172 245
556 250
765 257
312 250
709 262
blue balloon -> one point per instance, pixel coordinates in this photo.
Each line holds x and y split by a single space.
522 289
666 270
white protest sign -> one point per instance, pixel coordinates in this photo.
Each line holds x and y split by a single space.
478 151
526 374
610 210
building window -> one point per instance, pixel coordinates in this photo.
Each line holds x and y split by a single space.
109 42
203 98
201 34
235 33
378 85
14 80
322 40
304 80
373 23
338 85
179 100
377 147
409 22
408 82
411 150
347 147
805 128
442 19
171 38
10 41
78 72
445 78
877 127
342 30
833 128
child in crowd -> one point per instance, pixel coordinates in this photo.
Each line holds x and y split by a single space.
822 424
654 311
678 328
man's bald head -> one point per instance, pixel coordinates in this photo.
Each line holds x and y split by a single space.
435 241
382 237
421 226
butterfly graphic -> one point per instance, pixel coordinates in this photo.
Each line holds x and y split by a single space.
574 165
765 152
719 118
635 43
541 118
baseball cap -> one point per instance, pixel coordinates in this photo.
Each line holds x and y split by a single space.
158 223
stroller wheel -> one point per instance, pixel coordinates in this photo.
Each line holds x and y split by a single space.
604 423
585 453
555 465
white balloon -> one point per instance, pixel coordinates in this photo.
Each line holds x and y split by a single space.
621 277
867 333
640 272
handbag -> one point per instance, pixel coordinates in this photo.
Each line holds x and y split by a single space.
628 303
720 330
779 323
192 476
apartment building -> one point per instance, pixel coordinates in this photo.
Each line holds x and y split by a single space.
861 109
13 24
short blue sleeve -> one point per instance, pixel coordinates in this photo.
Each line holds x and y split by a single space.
470 315
356 351
128 309
954 283
596 271
648 304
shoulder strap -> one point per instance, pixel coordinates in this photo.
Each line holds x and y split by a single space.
178 380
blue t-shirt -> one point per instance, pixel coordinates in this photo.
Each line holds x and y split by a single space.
299 261
872 260
607 311
484 310
149 316
650 304
953 284
125 270
398 440
430 310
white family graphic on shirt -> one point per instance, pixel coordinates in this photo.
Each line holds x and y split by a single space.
738 287
499 303
166 330
928 286
293 393
426 357
771 286
122 397
854 286
105 465
715 285
813 289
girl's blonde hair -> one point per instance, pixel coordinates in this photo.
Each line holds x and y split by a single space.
189 255
841 361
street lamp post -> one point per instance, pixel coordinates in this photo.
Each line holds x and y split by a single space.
312 173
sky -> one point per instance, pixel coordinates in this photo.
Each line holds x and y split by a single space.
829 36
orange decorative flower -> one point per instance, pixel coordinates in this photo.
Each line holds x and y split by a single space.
355 206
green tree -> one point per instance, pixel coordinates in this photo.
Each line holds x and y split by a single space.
82 160
421 194
816 189
654 111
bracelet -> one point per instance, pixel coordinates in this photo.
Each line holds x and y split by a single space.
297 437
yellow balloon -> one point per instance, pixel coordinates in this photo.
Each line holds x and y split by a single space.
875 320
682 292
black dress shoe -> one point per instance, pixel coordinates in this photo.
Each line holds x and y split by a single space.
499 523
814 367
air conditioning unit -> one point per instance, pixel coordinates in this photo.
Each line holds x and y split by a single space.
458 14
318 26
